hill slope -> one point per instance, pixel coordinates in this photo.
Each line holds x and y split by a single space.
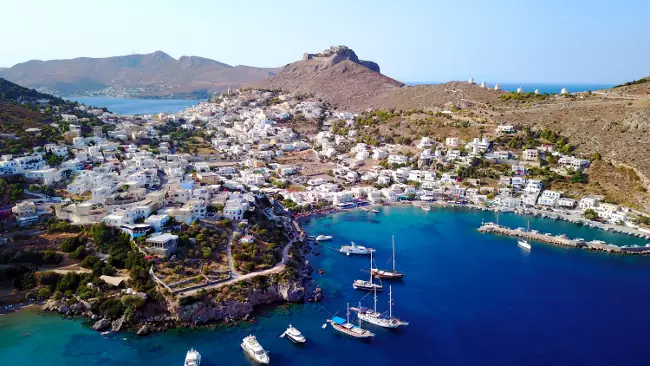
336 75
154 74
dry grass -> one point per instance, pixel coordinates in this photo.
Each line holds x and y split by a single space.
616 184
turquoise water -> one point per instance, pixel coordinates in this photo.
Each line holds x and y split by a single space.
543 87
471 299
137 106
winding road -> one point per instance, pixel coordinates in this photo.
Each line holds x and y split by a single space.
240 277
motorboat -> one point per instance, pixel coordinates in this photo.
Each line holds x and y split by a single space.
323 238
294 335
193 358
524 244
252 347
344 326
372 316
355 249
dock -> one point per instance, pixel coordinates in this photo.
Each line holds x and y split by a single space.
562 240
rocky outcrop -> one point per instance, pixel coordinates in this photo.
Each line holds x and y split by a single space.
317 295
143 331
102 325
208 309
336 75
62 307
336 54
116 325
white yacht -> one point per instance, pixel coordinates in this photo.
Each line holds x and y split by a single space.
372 316
193 358
294 335
252 347
323 238
355 249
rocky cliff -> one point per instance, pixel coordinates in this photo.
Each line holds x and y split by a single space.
208 309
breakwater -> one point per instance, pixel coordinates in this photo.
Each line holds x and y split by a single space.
562 240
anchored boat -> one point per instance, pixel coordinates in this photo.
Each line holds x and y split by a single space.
388 274
355 249
368 285
344 326
323 237
252 347
372 316
294 335
193 358
523 242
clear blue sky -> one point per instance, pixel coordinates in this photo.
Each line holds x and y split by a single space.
584 41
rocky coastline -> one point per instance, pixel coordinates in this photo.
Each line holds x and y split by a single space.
210 311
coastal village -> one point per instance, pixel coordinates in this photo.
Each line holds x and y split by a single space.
204 200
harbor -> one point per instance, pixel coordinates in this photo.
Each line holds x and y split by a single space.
440 251
563 240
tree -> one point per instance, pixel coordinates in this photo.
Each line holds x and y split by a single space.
590 214
44 293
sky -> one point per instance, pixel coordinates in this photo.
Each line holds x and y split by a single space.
551 41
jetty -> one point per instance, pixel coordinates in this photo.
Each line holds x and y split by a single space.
562 240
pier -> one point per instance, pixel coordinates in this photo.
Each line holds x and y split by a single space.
561 240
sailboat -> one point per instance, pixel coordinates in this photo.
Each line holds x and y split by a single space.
388 274
372 316
367 285
344 326
524 242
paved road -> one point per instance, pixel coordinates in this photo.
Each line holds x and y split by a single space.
231 263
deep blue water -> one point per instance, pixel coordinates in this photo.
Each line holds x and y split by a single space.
137 106
471 299
543 87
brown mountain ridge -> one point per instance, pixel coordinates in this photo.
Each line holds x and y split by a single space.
143 75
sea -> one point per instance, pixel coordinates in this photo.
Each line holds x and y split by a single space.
471 299
543 87
132 106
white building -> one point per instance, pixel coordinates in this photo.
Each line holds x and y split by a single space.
162 244
530 154
452 142
549 198
398 159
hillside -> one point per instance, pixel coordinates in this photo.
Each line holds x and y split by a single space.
434 96
19 111
639 87
149 75
336 75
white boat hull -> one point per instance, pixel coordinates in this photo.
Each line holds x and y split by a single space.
382 322
524 244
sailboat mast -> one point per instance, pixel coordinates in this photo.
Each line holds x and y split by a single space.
393 253
375 289
348 312
358 318
371 268
390 301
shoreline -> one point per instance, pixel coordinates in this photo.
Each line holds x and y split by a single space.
171 323
623 230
